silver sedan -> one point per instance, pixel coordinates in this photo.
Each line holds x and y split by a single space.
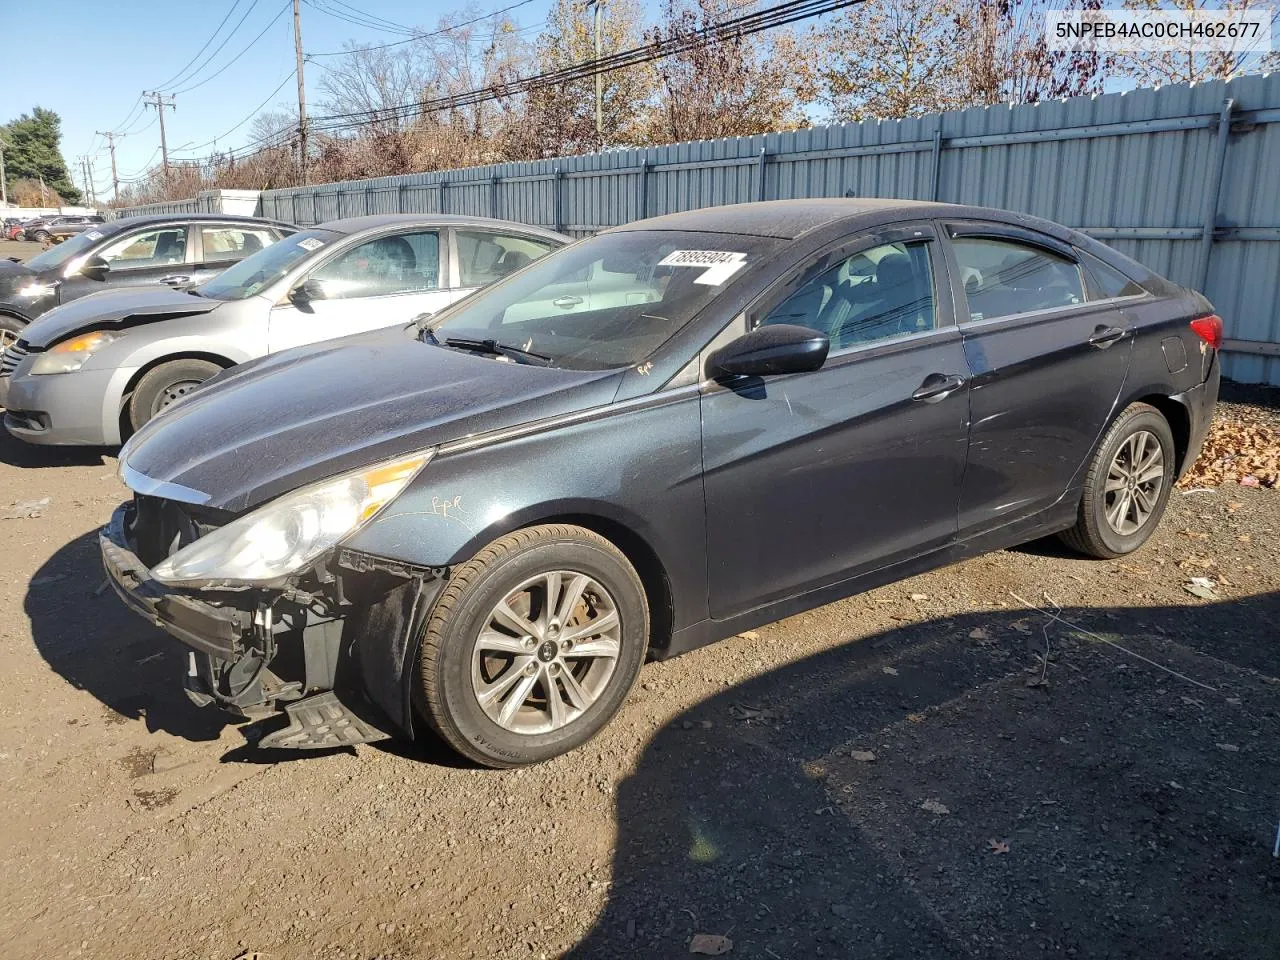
93 371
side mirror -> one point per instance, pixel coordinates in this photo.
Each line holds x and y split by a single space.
769 350
95 268
305 292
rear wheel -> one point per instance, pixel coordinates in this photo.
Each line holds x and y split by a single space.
1127 486
165 384
533 645
43 236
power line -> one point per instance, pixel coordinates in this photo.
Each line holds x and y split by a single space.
424 36
216 50
359 21
225 66
367 15
218 29
253 113
782 14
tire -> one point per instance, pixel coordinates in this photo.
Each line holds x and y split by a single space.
42 236
1140 427
454 674
161 385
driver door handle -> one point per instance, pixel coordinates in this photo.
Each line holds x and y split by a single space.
174 279
1104 336
566 302
938 386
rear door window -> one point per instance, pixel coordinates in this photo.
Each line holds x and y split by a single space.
1108 282
484 257
228 244
1003 278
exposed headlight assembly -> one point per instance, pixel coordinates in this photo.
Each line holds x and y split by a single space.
70 355
36 290
287 534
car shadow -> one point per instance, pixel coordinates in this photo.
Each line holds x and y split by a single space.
913 795
91 639
17 453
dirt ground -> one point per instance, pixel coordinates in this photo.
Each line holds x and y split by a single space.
882 777
22 249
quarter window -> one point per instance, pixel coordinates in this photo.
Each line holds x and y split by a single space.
486 257
1004 277
229 244
150 249
875 294
1110 282
404 263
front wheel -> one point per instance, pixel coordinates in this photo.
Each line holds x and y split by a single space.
166 384
42 236
533 645
10 331
1127 486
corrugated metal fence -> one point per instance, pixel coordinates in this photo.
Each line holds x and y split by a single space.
1185 179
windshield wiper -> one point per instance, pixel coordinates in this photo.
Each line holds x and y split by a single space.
497 349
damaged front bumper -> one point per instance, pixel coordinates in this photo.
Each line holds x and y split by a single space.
331 651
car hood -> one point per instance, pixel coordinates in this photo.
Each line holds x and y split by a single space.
276 424
12 273
113 308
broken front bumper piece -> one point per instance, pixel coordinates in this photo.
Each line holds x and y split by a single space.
257 652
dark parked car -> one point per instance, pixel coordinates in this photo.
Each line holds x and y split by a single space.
11 227
59 228
483 523
178 249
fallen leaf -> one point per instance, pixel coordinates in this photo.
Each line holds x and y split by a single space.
710 944
891 671
1022 626
933 806
915 717
862 756
749 635
1201 591
918 597
979 633
998 846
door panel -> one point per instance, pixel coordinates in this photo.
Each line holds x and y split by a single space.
327 319
139 258
814 478
1044 382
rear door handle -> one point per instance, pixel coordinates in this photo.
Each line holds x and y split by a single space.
1104 336
566 302
938 386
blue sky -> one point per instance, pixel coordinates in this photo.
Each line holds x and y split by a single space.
96 57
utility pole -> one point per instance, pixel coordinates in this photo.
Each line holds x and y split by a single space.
598 7
159 101
84 175
302 94
4 185
115 179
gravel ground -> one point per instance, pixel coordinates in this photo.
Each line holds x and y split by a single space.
882 777
22 249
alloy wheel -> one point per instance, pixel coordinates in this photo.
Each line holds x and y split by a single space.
1135 481
546 652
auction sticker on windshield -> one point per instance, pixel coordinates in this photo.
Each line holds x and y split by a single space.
311 244
93 235
720 264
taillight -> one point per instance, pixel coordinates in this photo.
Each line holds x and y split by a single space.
1209 329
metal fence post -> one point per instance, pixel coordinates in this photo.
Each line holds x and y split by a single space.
764 158
936 176
493 196
368 193
1212 190
558 182
315 209
442 186
400 198
642 201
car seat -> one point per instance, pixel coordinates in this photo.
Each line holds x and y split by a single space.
898 306
250 243
170 247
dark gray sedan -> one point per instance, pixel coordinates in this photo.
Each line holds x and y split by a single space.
664 435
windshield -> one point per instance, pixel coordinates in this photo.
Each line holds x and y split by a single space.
70 248
607 302
255 273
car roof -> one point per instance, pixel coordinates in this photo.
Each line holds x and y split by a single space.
162 218
350 225
790 219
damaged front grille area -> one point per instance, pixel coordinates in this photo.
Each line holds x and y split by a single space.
10 359
163 527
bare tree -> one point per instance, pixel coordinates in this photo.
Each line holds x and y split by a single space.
1158 68
730 87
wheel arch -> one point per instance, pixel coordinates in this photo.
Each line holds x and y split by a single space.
122 402
1178 416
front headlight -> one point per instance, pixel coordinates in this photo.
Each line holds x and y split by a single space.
287 534
33 291
71 355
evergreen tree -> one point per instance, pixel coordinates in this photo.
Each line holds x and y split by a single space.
32 149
